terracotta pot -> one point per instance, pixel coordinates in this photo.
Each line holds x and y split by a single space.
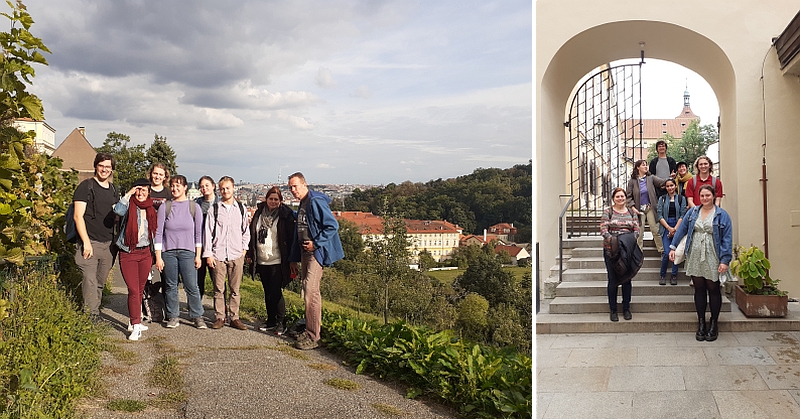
755 305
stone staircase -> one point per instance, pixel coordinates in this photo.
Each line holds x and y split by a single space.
579 303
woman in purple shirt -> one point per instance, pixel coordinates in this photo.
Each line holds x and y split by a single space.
178 244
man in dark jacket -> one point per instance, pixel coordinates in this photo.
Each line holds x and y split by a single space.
662 165
316 244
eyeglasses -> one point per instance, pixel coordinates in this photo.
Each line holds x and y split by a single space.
105 166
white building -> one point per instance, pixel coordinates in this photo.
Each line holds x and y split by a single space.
45 140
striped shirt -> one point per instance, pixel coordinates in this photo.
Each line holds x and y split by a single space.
614 223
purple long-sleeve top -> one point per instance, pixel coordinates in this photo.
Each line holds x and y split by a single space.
179 231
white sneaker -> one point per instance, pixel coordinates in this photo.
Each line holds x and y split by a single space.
130 327
137 332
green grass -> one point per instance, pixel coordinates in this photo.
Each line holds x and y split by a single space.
252 306
288 350
120 354
166 373
342 384
445 277
322 367
125 405
388 410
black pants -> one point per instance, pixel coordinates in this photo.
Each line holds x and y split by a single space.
271 279
627 288
201 276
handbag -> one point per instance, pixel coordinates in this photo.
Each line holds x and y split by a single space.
680 251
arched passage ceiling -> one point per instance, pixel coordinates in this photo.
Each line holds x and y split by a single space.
618 40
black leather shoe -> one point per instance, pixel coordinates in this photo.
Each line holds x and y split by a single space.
662 281
712 331
614 316
701 330
673 280
626 314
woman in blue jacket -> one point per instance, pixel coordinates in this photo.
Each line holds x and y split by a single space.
708 253
669 214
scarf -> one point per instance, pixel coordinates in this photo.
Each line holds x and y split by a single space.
266 221
132 226
682 180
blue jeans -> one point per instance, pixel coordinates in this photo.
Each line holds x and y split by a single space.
627 289
181 262
665 256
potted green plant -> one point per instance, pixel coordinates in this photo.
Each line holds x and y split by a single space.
757 295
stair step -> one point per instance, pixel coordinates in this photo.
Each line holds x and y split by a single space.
599 262
640 304
644 287
597 252
733 321
644 274
581 303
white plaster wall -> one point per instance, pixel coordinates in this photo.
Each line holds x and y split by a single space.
726 42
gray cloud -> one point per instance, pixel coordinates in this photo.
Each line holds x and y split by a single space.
325 78
246 87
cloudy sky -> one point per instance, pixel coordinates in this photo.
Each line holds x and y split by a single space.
345 91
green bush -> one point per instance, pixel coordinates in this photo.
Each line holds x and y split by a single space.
482 381
49 349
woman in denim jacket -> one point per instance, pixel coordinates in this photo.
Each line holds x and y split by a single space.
709 250
137 233
669 214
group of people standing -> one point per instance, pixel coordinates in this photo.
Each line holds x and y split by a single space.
675 205
186 238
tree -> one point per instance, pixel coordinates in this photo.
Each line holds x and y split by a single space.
352 242
693 143
388 257
426 261
161 152
486 276
462 255
130 161
472 312
33 192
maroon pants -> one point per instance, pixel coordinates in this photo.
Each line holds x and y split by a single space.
135 266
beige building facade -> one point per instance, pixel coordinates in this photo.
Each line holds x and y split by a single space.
728 43
45 139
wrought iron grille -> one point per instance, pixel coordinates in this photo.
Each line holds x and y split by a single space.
604 127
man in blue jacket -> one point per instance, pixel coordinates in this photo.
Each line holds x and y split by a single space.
316 244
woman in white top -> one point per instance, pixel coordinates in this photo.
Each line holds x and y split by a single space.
271 235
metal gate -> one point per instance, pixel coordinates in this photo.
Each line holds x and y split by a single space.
604 128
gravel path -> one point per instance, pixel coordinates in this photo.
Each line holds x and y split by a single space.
231 373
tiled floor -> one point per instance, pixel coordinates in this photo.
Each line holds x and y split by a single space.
668 375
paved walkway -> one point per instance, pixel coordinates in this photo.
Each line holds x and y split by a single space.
668 375
231 373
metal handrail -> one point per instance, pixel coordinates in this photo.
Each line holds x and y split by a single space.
561 233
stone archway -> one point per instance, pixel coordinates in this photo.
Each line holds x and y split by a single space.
602 44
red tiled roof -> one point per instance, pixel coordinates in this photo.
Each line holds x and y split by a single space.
503 228
512 250
369 223
431 226
656 128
